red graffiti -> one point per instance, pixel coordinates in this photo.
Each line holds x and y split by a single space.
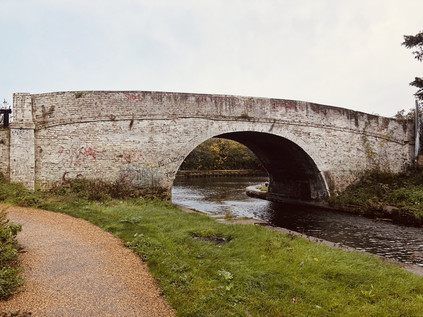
65 181
133 97
231 100
78 157
64 177
284 104
132 158
384 125
89 152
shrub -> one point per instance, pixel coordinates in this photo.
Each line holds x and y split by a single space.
376 188
9 273
99 190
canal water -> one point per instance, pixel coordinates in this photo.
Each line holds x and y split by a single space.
227 194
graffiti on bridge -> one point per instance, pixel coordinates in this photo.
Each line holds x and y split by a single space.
133 97
170 160
284 104
219 99
141 176
78 157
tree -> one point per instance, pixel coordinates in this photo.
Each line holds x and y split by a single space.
221 154
416 42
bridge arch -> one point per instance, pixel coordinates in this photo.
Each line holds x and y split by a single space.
293 174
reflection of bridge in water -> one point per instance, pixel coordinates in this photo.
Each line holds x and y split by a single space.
143 137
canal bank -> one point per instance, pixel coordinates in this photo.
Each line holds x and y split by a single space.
376 210
413 268
398 197
222 195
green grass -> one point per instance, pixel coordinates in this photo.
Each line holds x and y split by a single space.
376 189
206 268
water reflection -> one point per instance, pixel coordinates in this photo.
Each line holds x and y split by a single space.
219 195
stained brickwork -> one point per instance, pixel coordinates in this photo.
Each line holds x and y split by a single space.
142 137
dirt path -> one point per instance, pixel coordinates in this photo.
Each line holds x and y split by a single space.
73 268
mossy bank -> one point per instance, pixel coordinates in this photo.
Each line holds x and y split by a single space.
396 197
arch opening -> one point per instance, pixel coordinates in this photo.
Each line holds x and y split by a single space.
224 157
293 175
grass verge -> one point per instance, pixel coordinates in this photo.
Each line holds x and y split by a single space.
9 270
375 191
206 268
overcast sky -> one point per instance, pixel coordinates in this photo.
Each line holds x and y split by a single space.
344 53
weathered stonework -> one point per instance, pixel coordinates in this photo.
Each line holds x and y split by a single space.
4 152
143 137
22 158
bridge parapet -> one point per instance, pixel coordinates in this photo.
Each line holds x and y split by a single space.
85 106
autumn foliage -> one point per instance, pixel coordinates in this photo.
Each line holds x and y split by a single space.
221 154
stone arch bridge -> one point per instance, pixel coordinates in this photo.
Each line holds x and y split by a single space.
142 138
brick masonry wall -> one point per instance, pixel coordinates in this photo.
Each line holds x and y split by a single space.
143 137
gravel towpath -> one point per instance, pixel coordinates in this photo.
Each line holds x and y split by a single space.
73 268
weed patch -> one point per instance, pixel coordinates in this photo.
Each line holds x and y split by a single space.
375 190
98 190
9 271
